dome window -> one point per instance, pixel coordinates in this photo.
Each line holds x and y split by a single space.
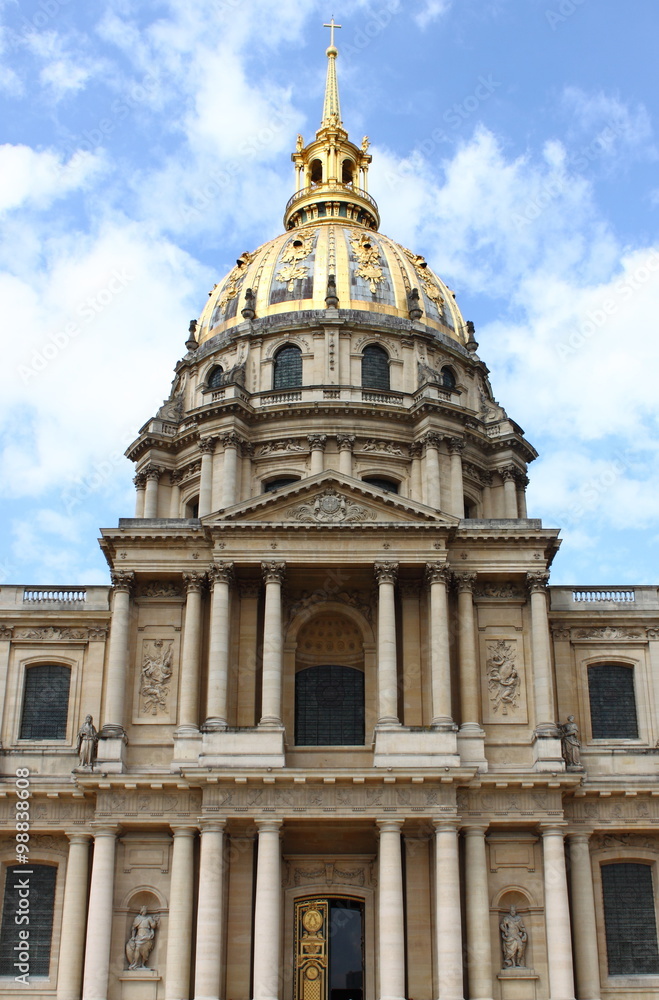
347 172
192 508
390 485
448 377
215 377
288 368
375 368
279 483
316 172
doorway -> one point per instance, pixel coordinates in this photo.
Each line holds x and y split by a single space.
329 949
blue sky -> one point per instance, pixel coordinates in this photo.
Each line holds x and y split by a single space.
146 144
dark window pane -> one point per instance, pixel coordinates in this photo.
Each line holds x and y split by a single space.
448 378
276 484
612 702
215 377
629 918
42 903
329 706
46 703
375 368
346 944
288 368
382 484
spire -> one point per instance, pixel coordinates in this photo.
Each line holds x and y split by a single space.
332 106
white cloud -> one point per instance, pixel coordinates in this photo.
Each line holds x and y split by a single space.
37 179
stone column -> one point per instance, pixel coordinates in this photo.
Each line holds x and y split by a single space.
509 475
231 444
206 447
479 946
222 576
117 663
433 490
273 574
99 922
346 443
317 444
584 921
267 913
140 487
391 929
210 912
74 918
386 574
448 922
188 715
545 712
557 915
456 446
437 575
247 454
522 483
179 929
416 481
411 652
151 495
486 481
248 640
470 703
175 493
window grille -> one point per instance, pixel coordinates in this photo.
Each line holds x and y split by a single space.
375 368
45 702
448 378
215 377
612 702
329 706
288 367
42 880
629 919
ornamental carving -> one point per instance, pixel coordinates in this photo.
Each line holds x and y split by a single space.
295 251
430 286
345 442
437 572
50 633
233 283
194 582
156 675
503 681
465 582
609 633
329 873
604 840
5 632
163 588
352 599
123 580
290 444
333 636
331 507
368 257
386 447
537 582
386 572
273 572
498 590
222 572
317 442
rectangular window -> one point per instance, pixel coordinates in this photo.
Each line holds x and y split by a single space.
45 702
612 702
29 889
629 917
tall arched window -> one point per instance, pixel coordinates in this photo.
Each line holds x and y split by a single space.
45 702
347 171
329 706
612 702
375 368
448 377
316 172
215 377
630 919
288 367
42 879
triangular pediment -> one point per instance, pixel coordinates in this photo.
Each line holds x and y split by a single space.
330 498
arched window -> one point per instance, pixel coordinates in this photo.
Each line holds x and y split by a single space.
329 706
448 377
42 879
390 485
288 367
347 171
192 508
316 172
612 702
214 380
630 919
375 368
45 702
277 484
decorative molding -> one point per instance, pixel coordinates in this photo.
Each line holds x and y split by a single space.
386 572
345 442
503 680
155 675
49 633
352 599
437 572
160 588
221 572
6 631
296 873
317 442
194 582
296 250
367 254
331 507
123 580
537 582
273 572
386 447
290 444
465 582
608 633
602 841
498 591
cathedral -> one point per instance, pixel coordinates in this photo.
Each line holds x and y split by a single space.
330 734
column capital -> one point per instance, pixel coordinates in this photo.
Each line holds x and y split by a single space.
508 473
578 836
385 572
153 472
465 582
183 831
345 442
455 445
416 449
123 581
207 445
221 572
438 572
475 829
446 825
389 825
212 825
269 825
194 582
431 440
273 572
78 836
176 476
231 440
486 478
537 582
553 829
140 480
317 442
104 830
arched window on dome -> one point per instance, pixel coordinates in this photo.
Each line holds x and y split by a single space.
316 172
347 172
214 380
192 508
277 484
448 377
45 702
375 368
382 483
287 368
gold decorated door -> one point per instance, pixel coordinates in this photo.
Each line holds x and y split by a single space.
311 934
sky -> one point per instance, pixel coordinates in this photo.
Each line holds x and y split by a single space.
145 144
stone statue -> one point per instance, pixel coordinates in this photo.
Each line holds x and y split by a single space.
87 741
513 940
142 939
570 745
299 145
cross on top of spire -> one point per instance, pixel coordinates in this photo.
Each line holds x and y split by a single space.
332 25
331 106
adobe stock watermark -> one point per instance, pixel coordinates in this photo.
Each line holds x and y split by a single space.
591 492
87 311
46 11
562 12
596 318
20 878
378 22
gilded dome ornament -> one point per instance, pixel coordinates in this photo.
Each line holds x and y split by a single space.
296 250
368 256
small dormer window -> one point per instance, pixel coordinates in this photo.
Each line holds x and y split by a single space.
215 377
448 377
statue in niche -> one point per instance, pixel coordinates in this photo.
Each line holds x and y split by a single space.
513 940
87 742
570 745
142 939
